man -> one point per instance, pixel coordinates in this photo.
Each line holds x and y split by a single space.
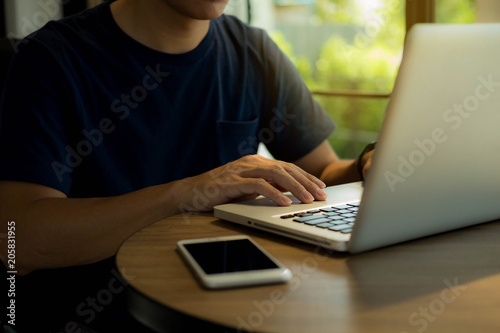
125 114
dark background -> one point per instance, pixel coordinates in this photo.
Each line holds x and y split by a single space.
71 7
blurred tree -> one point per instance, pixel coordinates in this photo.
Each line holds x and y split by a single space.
455 11
367 61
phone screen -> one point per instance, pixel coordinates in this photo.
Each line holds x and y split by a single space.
229 256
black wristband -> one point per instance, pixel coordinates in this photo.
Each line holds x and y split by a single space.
359 165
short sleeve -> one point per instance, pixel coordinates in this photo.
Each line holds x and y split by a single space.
296 121
35 120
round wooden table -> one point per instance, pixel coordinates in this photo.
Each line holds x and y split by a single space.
444 283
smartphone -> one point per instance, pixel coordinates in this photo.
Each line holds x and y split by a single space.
232 261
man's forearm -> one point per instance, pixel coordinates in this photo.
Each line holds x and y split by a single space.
340 172
61 232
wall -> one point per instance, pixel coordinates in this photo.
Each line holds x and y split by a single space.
24 17
488 10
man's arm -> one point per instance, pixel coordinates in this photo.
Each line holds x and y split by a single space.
55 231
325 164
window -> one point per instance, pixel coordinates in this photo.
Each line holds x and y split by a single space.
348 51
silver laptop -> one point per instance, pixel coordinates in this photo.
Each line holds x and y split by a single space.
437 163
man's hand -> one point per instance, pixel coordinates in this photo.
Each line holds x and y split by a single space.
366 162
248 177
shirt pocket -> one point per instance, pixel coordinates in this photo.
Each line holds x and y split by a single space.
236 139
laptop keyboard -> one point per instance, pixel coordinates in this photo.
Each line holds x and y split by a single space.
339 218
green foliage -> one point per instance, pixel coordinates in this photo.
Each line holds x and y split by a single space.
455 11
345 66
367 62
338 11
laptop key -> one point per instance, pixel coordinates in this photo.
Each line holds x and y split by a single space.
346 231
338 222
343 211
340 227
317 221
287 216
355 204
334 216
349 215
324 225
313 211
307 218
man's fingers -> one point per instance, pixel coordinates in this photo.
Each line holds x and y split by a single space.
249 186
312 178
289 178
312 184
255 175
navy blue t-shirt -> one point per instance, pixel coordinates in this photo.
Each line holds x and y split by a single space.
92 112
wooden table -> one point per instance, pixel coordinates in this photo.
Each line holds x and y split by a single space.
445 283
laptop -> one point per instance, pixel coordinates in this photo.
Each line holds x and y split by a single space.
437 163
